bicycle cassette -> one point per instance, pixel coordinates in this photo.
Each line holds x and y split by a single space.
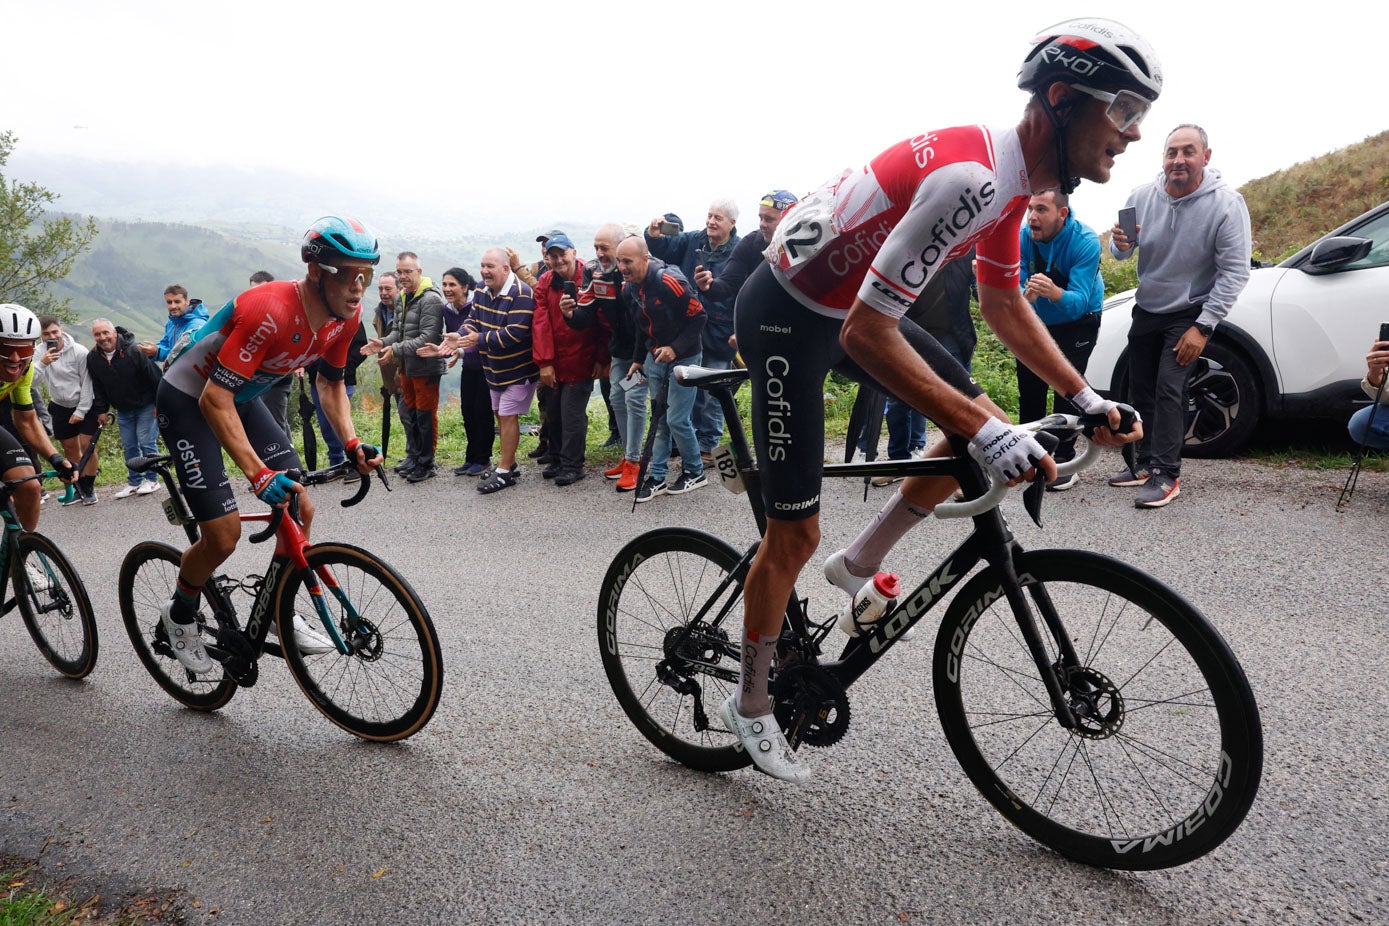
811 705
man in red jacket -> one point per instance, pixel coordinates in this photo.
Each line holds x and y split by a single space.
569 359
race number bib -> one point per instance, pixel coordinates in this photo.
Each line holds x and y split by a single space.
808 227
725 465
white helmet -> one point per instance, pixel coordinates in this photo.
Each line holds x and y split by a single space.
18 323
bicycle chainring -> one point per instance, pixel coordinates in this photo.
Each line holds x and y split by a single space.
811 705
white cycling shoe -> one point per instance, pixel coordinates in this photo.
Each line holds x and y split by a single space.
838 575
311 642
186 642
765 743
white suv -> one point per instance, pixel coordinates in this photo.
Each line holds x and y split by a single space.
1293 345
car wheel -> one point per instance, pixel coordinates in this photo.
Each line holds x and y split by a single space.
1223 401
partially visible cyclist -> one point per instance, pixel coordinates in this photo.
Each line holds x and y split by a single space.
209 400
19 332
849 260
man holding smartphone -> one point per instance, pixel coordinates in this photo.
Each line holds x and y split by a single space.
1369 426
709 248
568 358
1193 262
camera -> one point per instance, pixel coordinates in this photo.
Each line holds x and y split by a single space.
570 289
57 345
670 229
702 258
1384 331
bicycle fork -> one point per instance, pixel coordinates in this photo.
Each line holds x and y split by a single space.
1027 626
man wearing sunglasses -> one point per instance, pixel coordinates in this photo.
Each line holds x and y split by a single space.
19 330
849 260
209 400
1193 262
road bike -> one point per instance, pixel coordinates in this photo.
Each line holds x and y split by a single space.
1093 706
383 678
50 596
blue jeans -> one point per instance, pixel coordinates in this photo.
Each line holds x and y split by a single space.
708 413
677 423
139 436
906 429
336 452
629 408
1374 435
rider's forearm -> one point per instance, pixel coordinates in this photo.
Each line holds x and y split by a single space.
873 341
31 430
218 406
1021 331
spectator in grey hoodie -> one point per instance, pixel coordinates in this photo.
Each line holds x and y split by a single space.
1193 241
62 370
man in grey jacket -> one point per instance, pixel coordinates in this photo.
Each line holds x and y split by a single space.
419 320
1194 243
62 370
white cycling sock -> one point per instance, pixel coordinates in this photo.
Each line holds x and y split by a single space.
754 694
870 548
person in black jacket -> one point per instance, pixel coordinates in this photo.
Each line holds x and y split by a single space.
124 379
670 323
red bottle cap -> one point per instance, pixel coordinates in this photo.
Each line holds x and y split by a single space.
887 585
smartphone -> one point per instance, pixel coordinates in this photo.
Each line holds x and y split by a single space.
53 345
670 229
702 258
1128 222
570 289
1384 331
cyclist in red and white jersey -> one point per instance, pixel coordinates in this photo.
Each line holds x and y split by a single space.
209 400
844 266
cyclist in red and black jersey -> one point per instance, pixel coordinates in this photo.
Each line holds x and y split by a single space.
209 400
19 331
845 264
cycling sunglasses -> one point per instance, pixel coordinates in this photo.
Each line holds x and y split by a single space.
1126 108
364 274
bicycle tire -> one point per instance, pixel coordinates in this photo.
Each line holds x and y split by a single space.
390 688
148 576
1160 774
655 586
54 605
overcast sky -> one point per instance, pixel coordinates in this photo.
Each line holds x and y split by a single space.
533 112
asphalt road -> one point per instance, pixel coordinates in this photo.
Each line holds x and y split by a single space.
530 797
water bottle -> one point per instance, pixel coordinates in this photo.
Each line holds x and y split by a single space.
876 596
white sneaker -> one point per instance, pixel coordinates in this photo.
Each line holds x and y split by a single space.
186 642
311 642
765 743
147 487
127 491
838 574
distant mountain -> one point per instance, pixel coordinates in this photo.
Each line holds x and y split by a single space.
124 275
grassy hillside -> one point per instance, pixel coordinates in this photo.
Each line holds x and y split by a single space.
1290 209
124 275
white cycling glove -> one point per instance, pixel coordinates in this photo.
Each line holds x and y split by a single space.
1006 450
1090 403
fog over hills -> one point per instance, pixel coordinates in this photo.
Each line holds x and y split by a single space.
209 228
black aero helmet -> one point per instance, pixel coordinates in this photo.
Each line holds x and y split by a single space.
332 237
1097 53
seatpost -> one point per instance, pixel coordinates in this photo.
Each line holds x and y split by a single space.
743 454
